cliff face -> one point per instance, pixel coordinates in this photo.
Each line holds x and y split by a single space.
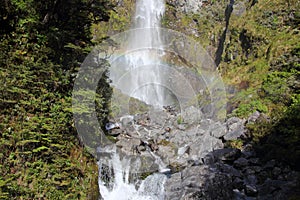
250 42
255 45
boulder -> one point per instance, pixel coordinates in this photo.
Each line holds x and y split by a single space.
191 115
240 162
226 154
218 130
235 127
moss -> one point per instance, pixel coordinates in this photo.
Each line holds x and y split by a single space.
237 144
164 143
119 20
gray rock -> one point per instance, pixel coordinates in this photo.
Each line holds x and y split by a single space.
256 169
253 117
126 120
238 195
251 179
239 8
141 148
182 150
254 161
174 187
230 170
181 127
227 154
190 6
233 135
115 132
235 127
218 130
204 145
198 182
234 123
158 117
128 145
240 163
250 190
191 115
167 153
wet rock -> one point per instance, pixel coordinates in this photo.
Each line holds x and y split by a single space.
128 145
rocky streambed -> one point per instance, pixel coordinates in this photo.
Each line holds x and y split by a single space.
193 152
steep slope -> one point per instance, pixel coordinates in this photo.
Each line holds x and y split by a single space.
42 45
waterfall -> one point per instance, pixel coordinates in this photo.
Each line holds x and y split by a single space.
118 186
144 82
142 65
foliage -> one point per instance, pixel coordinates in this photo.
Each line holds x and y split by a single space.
263 49
42 44
281 140
259 64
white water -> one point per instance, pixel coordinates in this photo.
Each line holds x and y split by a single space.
144 83
119 186
142 65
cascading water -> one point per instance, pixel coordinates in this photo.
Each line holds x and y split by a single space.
144 81
145 84
118 186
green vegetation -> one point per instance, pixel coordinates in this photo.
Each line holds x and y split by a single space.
261 60
42 46
259 63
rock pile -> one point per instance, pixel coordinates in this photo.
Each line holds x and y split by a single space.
193 149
